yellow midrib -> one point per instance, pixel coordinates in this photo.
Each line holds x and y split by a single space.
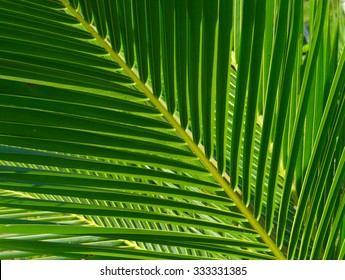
197 151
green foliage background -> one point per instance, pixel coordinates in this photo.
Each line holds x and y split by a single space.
172 129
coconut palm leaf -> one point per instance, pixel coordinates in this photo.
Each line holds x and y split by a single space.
175 129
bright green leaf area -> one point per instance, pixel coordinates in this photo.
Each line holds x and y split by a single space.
172 129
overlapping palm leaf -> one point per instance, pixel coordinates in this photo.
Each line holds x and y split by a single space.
140 130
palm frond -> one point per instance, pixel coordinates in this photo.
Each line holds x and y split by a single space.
171 130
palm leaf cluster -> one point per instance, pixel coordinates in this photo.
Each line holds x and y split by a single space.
171 129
